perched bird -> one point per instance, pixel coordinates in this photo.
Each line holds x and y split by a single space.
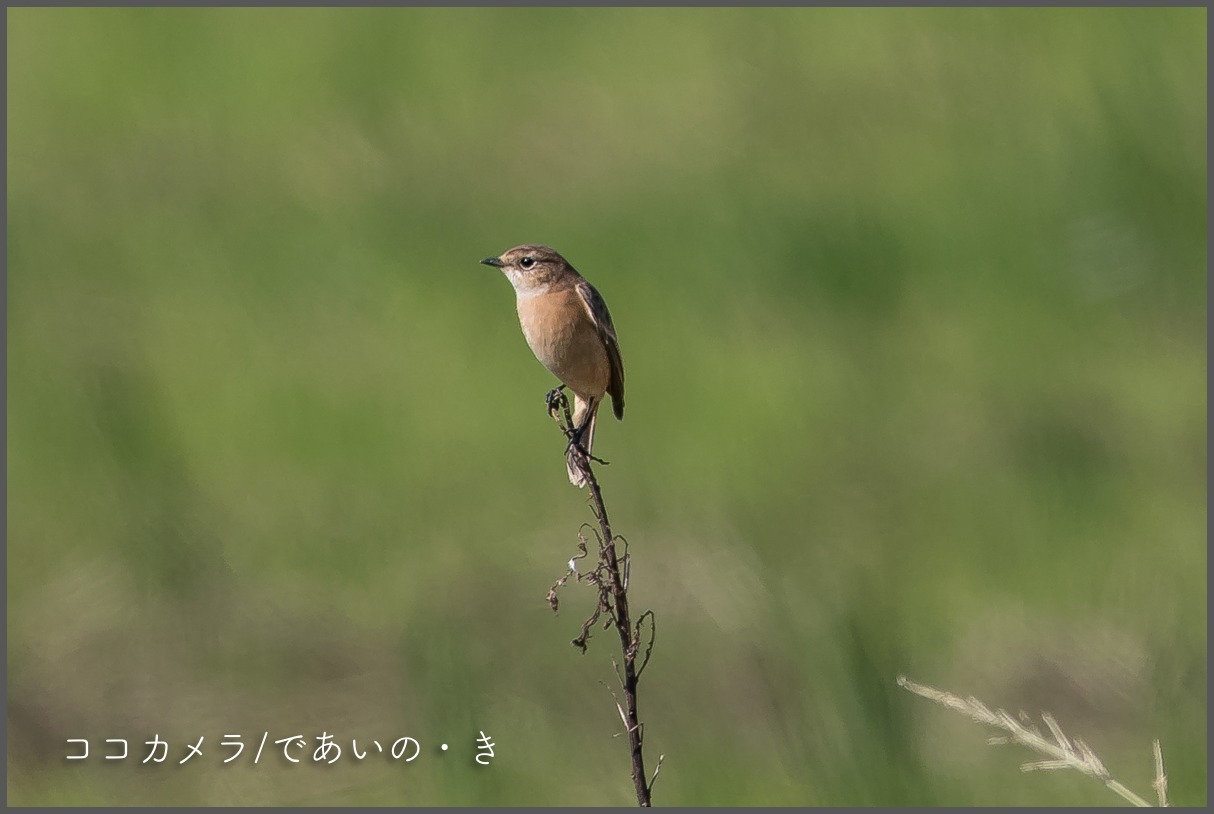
569 329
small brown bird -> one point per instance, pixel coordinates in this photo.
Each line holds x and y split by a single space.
569 329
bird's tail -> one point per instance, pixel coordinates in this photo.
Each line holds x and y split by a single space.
574 463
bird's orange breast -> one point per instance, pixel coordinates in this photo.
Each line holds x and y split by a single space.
564 339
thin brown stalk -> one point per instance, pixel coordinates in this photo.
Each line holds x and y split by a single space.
609 575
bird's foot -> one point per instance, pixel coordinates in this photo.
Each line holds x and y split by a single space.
575 442
555 401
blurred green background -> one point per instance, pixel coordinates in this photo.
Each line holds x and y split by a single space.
912 308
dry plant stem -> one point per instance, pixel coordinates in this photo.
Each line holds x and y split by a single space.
619 618
623 626
1062 752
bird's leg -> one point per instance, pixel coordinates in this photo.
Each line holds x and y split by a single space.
558 401
575 440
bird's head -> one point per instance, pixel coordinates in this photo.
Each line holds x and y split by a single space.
531 266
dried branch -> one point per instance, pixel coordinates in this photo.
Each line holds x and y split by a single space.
610 576
653 637
656 771
1061 752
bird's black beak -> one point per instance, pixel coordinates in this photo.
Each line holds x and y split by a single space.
493 261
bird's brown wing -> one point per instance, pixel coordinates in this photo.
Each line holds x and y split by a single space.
601 317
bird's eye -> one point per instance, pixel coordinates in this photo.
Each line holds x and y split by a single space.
527 262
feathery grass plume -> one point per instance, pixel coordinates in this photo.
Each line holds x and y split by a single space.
1061 752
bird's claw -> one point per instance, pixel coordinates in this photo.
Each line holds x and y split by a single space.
555 400
575 442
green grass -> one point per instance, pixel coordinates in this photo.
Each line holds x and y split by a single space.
912 307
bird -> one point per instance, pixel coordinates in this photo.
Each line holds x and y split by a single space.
569 329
